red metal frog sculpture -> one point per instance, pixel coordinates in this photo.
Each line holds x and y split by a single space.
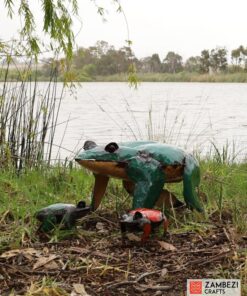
143 219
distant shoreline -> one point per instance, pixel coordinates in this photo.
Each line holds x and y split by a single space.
153 77
177 77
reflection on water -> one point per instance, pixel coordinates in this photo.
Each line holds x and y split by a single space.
190 115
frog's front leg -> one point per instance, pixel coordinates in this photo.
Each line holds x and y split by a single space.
191 181
166 199
148 176
100 185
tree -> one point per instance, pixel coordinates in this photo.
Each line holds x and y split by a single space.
172 63
150 64
218 60
192 64
239 57
114 61
144 65
236 56
205 61
155 63
83 56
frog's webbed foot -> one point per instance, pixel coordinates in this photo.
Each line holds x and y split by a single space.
148 177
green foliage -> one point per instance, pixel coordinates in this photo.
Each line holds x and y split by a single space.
57 15
150 64
218 60
43 187
103 62
193 64
172 63
223 184
27 120
239 57
205 61
21 196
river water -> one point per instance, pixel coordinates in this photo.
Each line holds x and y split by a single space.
190 115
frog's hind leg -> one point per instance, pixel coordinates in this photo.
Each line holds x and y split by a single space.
129 186
191 181
99 190
148 177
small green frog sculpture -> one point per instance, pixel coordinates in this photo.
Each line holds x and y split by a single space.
144 167
61 213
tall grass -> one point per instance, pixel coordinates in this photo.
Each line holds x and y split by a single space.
28 117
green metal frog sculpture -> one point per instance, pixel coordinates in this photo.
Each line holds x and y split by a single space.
144 167
61 213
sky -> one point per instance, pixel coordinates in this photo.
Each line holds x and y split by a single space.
157 26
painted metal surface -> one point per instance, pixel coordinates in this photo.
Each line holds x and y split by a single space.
61 213
143 219
151 214
149 165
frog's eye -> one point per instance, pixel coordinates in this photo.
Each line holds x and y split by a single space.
137 216
89 145
81 204
111 147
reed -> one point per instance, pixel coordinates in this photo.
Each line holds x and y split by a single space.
28 117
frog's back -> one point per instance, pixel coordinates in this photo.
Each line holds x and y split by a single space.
55 209
59 207
164 153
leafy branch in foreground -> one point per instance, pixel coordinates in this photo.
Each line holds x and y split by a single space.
57 15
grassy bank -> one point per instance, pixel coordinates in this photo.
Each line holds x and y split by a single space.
177 77
224 187
14 75
225 200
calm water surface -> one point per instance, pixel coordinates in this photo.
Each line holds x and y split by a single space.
191 115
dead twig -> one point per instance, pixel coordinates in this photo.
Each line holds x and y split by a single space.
144 288
142 276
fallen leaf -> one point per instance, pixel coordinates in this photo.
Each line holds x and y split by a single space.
132 237
25 252
52 265
46 251
79 289
43 261
100 225
166 246
35 290
164 272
